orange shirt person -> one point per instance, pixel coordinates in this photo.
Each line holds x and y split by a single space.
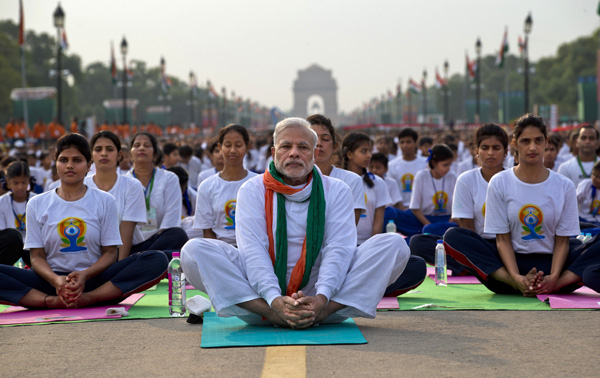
56 130
73 127
39 129
10 130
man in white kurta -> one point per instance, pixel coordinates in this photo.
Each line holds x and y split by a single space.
345 281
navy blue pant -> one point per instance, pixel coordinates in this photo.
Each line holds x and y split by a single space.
591 277
423 245
11 246
168 241
481 258
412 276
131 275
406 222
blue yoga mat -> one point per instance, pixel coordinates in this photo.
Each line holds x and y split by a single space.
232 332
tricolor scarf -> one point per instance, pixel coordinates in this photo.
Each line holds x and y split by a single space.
315 228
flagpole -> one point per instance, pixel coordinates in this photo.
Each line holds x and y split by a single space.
506 92
23 79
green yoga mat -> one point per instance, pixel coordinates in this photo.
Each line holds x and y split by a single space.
428 296
232 332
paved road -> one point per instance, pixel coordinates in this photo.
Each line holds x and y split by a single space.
408 343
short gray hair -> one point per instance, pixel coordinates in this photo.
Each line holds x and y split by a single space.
294 122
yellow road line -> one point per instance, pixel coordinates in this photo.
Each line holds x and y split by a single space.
285 361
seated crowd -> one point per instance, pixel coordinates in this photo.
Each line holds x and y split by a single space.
289 229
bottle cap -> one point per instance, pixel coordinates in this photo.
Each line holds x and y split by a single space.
390 221
440 241
175 254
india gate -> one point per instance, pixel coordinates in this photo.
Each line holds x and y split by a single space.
315 91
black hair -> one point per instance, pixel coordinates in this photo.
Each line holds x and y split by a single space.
108 135
185 151
555 140
181 174
319 119
152 140
214 143
168 148
237 128
588 127
489 130
378 156
439 152
350 143
7 160
425 140
17 169
526 121
408 132
74 140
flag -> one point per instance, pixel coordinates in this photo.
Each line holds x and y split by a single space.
413 87
471 68
21 25
129 73
521 45
439 80
63 40
503 49
113 64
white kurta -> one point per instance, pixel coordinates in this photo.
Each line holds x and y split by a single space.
354 277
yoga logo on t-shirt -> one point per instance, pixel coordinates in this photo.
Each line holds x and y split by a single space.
20 222
440 200
364 214
483 210
531 218
407 180
72 233
230 215
595 207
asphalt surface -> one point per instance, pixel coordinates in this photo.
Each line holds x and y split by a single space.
400 344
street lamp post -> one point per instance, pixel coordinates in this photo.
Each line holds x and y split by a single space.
478 81
446 66
162 70
424 97
528 23
224 110
124 53
192 86
59 22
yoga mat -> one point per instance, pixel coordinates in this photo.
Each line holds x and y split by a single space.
20 315
583 298
388 303
458 280
232 332
428 296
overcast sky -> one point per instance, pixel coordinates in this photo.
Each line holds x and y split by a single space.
256 47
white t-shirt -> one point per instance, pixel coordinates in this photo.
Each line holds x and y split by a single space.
165 199
466 165
42 176
72 232
129 196
404 173
9 208
339 238
192 197
205 174
469 199
355 183
433 196
216 204
375 197
588 201
572 170
193 167
532 213
393 190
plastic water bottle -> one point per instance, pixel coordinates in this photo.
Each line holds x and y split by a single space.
20 264
441 277
587 238
176 287
390 227
581 237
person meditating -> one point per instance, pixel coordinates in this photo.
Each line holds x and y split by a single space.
297 263
73 234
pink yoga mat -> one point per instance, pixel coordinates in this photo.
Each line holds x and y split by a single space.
458 280
388 303
581 298
21 315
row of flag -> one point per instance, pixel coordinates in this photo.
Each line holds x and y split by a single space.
504 48
63 34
